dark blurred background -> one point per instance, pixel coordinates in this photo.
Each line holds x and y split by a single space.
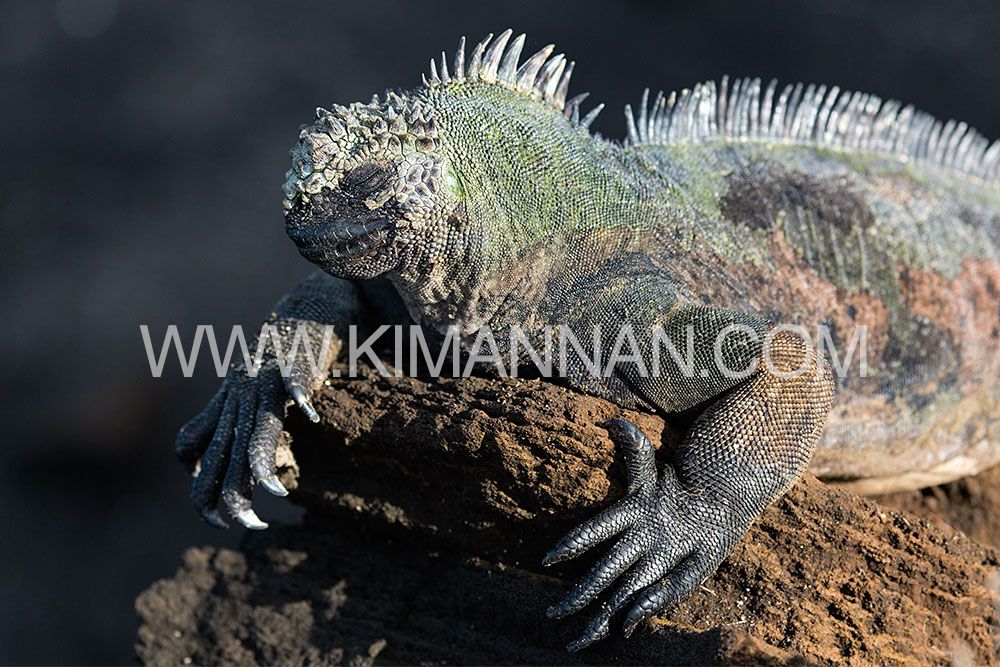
142 153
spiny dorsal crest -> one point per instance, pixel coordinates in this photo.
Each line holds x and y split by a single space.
813 115
542 77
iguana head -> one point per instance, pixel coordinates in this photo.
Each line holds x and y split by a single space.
408 178
364 182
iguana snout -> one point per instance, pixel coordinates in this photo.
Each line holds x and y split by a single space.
334 229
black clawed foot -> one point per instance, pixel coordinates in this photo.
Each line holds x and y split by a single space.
670 540
232 444
230 447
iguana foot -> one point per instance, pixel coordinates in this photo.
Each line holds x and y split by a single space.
233 441
671 539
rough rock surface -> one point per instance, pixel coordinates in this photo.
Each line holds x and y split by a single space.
431 502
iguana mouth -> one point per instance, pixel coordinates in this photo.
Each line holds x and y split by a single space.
342 238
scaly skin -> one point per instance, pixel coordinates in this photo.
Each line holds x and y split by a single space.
482 199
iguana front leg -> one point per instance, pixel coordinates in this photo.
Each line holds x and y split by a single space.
232 442
743 452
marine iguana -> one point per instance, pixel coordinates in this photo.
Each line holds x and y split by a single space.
481 198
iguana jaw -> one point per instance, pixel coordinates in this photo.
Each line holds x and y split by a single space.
344 241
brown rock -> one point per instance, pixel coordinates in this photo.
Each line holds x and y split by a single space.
430 505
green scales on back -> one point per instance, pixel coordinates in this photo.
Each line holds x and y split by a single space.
802 204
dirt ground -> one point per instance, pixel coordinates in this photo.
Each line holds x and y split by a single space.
429 505
972 505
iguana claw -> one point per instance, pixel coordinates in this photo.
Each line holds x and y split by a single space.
274 486
249 519
300 398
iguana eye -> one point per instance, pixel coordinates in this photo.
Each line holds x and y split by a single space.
366 180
